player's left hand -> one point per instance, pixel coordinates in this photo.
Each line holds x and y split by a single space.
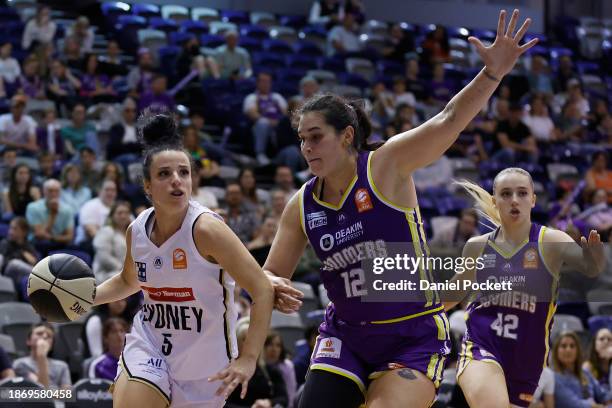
593 250
239 372
500 57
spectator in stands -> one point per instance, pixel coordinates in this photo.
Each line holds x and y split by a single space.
10 70
599 215
74 193
570 123
72 54
301 360
79 133
6 368
113 335
48 137
600 359
62 87
276 356
112 63
253 196
414 83
8 162
31 84
308 87
17 129
46 168
513 141
213 149
539 122
598 115
51 221
201 194
598 176
266 387
241 217
574 387
93 214
459 233
344 39
123 142
287 143
95 86
439 174
139 78
572 95
441 89
191 58
326 12
90 167
405 118
208 169
283 180
40 29
436 47
234 61
111 171
109 242
565 72
539 77
157 98
82 33
38 367
265 108
398 43
544 395
123 309
261 244
21 191
45 54
278 201
17 255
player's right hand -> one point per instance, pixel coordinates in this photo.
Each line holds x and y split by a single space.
287 299
239 372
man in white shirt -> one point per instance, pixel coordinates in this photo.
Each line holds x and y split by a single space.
94 212
9 67
344 38
16 129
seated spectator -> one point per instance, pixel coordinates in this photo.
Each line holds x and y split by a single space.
436 47
109 242
301 360
326 12
241 217
199 193
95 86
544 395
214 150
157 98
79 133
414 83
513 141
51 221
46 168
266 386
124 309
234 61
191 58
123 140
284 180
261 244
30 83
265 108
278 202
113 64
74 193
287 142
539 122
90 167
40 29
21 191
72 54
574 387
38 367
600 359
458 234
436 175
441 89
598 176
10 70
45 55
255 197
111 171
6 367
208 169
82 33
539 77
275 355
93 214
398 44
565 72
8 162
17 255
570 123
48 136
599 215
62 86
113 335
18 130
344 39
308 88
139 78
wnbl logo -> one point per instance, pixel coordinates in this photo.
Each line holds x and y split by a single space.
142 271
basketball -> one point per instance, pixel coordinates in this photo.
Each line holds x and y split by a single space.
61 288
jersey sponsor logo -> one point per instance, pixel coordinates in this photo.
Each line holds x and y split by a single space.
158 262
530 259
316 219
170 294
172 317
526 397
349 233
489 260
142 271
326 242
155 362
363 200
329 347
179 259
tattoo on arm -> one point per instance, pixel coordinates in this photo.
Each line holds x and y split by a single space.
407 374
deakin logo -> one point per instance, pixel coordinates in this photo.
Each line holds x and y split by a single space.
179 259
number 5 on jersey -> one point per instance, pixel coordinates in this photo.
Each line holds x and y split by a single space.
167 345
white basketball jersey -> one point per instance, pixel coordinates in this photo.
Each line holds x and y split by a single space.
188 312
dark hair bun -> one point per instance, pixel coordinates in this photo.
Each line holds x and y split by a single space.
158 129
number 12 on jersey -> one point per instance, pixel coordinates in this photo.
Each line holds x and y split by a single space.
354 282
505 325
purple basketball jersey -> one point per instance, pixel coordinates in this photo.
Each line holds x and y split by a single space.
512 328
359 228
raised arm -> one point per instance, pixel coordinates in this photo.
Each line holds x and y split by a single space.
423 145
587 258
472 250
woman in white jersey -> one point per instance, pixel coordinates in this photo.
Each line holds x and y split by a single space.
182 347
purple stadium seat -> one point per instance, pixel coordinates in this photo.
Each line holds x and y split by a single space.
211 40
296 22
251 44
178 37
599 322
305 47
254 31
163 24
277 46
194 27
301 61
146 10
235 16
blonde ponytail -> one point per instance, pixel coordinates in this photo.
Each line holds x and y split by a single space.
484 201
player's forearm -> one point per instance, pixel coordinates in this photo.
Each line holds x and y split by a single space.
261 310
114 289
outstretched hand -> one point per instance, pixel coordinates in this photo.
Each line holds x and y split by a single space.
593 249
500 57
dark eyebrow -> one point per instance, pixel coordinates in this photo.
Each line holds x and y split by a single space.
310 129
